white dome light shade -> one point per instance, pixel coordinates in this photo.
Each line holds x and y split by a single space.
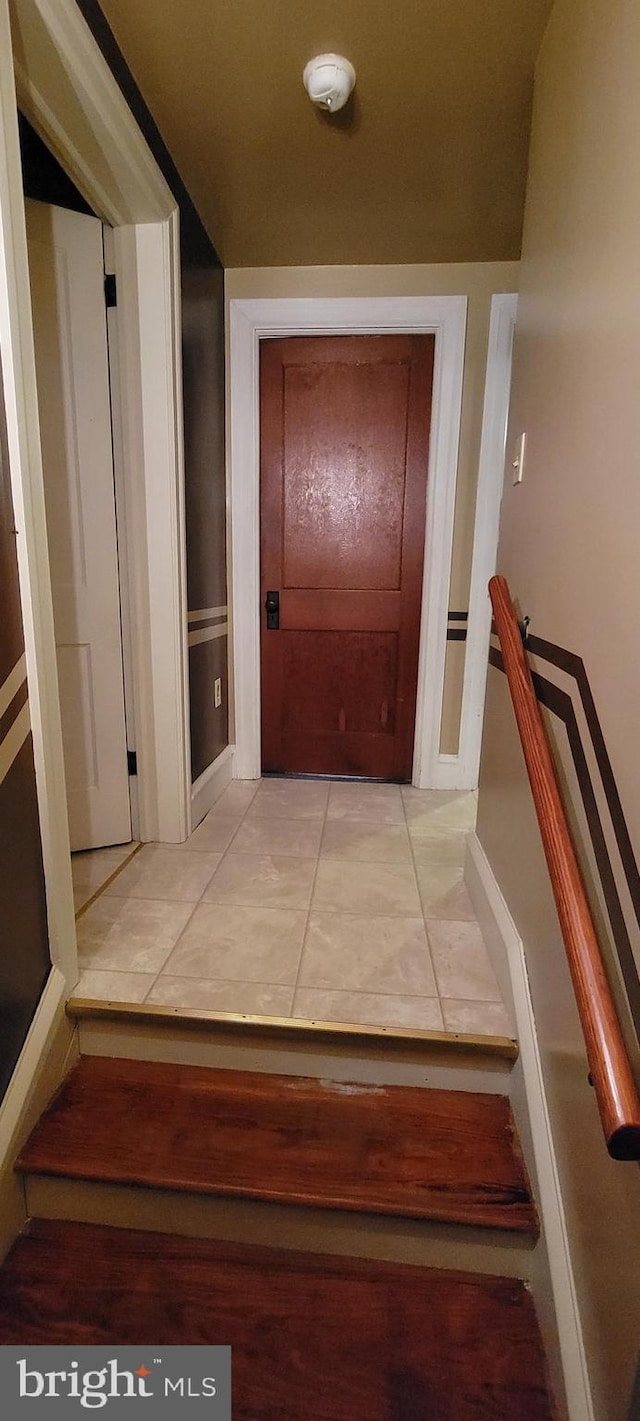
329 80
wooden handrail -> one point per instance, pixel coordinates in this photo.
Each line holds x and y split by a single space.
611 1074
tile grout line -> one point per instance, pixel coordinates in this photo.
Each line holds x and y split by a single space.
131 898
350 991
242 982
339 991
139 898
424 919
130 971
341 913
172 948
198 903
199 900
313 889
236 830
155 976
460 922
223 856
301 860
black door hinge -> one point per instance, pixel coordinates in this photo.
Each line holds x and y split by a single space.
110 291
132 762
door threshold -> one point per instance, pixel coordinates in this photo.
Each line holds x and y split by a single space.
330 779
455 1045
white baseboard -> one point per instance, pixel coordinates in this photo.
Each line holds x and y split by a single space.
507 951
210 785
450 772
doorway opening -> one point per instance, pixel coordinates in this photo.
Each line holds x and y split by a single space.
344 455
69 299
65 88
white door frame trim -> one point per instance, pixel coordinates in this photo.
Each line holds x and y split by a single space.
18 367
495 413
254 320
91 128
150 398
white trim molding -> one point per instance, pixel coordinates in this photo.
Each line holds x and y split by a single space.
70 95
92 132
486 528
149 362
25 468
211 784
511 970
254 320
68 92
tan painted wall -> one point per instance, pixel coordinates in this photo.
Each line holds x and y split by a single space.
569 547
478 281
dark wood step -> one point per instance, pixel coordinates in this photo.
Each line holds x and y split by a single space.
429 1154
337 1339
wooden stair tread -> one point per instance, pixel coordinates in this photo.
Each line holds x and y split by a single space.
432 1154
339 1339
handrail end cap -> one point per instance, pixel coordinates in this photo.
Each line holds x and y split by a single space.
624 1143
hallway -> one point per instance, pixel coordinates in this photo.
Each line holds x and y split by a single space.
337 902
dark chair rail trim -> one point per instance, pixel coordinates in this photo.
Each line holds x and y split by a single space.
574 666
559 702
607 1052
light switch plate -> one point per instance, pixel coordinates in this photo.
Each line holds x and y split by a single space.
518 459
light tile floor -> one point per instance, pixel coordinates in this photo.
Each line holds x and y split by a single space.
327 901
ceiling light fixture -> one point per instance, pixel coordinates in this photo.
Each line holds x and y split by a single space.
329 80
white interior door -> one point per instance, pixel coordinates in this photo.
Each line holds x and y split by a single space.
67 295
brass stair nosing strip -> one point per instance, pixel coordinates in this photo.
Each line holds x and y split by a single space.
458 1043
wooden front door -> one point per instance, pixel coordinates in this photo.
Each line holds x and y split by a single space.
344 452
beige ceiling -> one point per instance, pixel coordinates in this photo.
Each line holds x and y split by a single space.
427 164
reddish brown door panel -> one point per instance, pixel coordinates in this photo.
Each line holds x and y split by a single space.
344 455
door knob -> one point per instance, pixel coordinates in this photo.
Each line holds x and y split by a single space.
272 607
